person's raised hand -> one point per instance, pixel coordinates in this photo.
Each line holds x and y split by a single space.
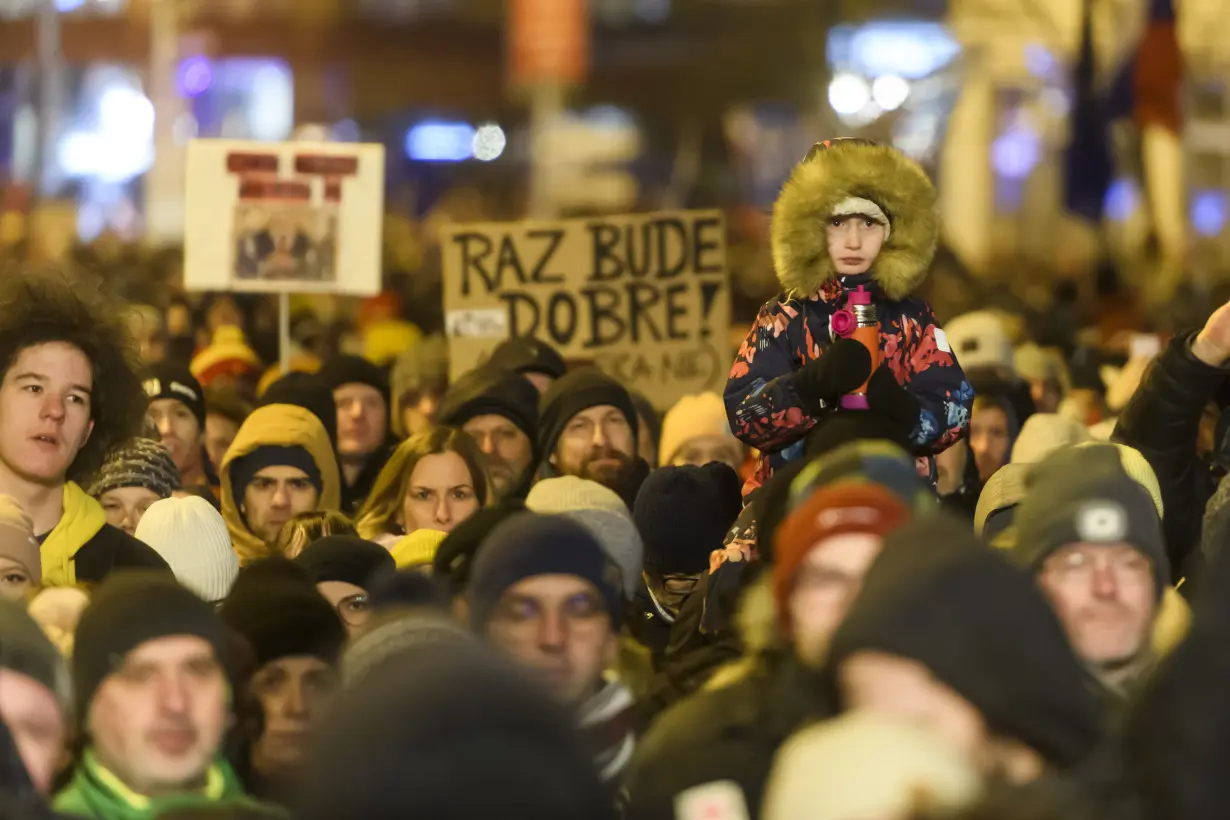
1212 343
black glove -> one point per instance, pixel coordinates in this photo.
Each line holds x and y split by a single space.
892 402
840 369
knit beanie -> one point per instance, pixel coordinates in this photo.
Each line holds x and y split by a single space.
305 390
836 509
620 540
417 549
523 354
978 339
1137 468
455 556
1083 495
342 370
863 764
191 536
573 393
138 462
275 607
25 648
227 356
1043 434
982 627
567 493
692 417
529 545
489 391
346 558
421 369
169 380
17 541
396 636
129 608
485 741
245 468
409 589
684 513
999 499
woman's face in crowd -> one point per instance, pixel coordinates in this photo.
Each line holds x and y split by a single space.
125 506
704 449
854 243
352 604
1106 598
36 722
825 586
180 433
293 693
441 494
15 583
988 439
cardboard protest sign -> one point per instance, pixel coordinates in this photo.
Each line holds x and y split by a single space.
292 216
645 297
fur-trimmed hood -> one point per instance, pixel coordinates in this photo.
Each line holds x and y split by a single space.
854 169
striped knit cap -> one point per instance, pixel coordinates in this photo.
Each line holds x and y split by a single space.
138 462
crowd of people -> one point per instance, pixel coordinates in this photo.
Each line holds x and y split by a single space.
946 574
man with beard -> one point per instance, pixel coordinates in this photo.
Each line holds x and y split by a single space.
587 428
500 411
1092 537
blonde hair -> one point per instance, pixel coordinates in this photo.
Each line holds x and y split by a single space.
307 527
380 511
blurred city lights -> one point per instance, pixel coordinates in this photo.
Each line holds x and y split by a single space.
848 94
69 5
1209 212
1121 199
889 92
906 48
120 143
488 142
1015 153
436 141
194 77
1039 61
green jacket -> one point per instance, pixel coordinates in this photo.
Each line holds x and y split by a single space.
97 793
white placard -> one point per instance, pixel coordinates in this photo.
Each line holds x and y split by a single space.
284 217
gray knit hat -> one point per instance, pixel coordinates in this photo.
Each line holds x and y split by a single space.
138 462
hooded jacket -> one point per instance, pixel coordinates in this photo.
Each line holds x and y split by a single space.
280 425
764 408
83 547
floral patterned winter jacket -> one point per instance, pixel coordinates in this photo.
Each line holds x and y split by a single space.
766 413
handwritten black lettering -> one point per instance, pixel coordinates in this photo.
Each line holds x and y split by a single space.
562 327
554 238
676 310
706 240
509 259
641 298
606 324
523 313
475 248
607 265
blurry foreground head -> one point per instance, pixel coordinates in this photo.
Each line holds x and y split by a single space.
948 633
35 694
462 737
864 765
21 568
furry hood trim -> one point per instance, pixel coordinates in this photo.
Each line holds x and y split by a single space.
817 188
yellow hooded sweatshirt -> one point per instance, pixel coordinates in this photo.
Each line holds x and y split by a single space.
83 518
277 425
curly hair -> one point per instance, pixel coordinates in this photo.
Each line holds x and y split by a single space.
307 527
44 306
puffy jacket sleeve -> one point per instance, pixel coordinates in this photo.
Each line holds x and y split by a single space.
1162 420
763 408
917 351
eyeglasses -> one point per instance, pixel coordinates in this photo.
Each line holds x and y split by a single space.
355 610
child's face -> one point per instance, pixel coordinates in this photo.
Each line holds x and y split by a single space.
854 243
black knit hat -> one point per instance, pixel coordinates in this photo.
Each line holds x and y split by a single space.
138 462
575 392
455 557
276 608
245 468
342 370
684 513
490 391
524 354
981 626
1083 495
168 380
345 558
528 545
305 390
129 608
449 731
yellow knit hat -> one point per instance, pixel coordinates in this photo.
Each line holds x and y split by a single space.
418 548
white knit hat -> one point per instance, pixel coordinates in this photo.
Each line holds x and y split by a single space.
191 537
701 414
866 765
1043 434
567 493
979 339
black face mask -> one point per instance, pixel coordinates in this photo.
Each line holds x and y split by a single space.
668 592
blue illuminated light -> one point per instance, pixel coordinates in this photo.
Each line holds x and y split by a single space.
1016 152
69 5
195 76
435 141
1121 199
1209 212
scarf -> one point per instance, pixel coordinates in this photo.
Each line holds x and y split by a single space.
82 519
606 724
